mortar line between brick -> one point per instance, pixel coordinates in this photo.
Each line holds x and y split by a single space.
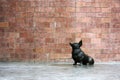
111 24
34 28
75 19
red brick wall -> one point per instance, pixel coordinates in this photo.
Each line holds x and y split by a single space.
40 30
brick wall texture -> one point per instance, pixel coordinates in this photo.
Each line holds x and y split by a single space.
40 30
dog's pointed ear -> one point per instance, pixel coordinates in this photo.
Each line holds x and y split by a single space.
70 44
80 43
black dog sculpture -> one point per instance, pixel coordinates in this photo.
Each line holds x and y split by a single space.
79 56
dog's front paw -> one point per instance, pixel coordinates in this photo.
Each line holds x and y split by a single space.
75 63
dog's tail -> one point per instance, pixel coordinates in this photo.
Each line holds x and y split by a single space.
91 61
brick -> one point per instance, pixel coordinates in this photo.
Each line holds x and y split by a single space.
43 24
104 25
79 4
106 10
30 9
115 4
96 40
86 40
20 9
103 1
96 30
44 9
105 4
39 20
70 9
116 26
96 5
60 9
81 15
4 24
88 0
59 56
49 40
115 30
103 15
36 3
39 50
85 19
97 10
91 15
83 10
116 10
24 34
29 39
1 19
105 20
115 20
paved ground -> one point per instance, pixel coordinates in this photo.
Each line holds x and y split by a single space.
58 71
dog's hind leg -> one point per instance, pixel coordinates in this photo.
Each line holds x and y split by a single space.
84 63
91 61
75 63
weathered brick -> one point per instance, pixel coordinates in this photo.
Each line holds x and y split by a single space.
1 19
105 20
84 19
103 0
49 40
116 9
4 24
103 15
39 50
106 10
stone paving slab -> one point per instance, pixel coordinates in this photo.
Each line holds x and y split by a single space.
59 71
